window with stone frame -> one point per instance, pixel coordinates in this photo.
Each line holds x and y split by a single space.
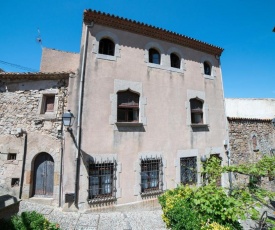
207 68
154 56
106 46
175 60
48 101
151 176
127 106
102 180
196 111
188 170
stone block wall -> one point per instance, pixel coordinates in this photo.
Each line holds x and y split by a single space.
25 128
250 140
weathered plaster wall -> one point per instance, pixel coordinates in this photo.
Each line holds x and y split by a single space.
165 97
258 108
58 61
24 128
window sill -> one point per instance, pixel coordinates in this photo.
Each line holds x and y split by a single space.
151 193
159 66
106 57
127 124
102 200
199 125
208 76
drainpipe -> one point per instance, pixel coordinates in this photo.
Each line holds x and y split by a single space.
23 164
79 117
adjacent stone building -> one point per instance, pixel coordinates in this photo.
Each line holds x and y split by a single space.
31 108
251 132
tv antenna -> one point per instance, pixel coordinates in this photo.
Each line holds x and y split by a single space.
38 38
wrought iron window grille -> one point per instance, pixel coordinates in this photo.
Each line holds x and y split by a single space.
188 170
102 181
151 176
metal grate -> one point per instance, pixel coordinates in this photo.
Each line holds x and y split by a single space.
188 170
151 175
101 180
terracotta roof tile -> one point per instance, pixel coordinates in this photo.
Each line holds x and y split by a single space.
250 119
34 75
149 30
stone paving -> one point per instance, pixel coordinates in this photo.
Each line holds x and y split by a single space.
133 220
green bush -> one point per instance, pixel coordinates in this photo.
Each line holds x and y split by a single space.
28 221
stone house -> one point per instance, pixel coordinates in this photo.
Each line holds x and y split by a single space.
31 108
148 104
251 132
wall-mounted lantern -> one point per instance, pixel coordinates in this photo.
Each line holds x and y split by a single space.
203 158
68 119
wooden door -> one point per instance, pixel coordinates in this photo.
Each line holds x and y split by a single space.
43 175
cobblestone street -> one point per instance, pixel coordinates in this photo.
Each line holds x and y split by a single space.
133 220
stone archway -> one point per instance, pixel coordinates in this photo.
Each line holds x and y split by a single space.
43 180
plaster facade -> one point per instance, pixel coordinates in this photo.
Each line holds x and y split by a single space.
164 130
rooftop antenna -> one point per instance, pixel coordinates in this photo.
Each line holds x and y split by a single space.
38 38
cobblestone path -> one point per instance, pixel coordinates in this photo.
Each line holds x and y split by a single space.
133 220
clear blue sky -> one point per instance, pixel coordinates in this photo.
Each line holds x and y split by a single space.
242 27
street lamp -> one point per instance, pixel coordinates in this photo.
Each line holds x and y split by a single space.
68 119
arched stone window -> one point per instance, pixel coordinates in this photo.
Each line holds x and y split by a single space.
207 68
127 106
154 56
106 46
175 60
196 111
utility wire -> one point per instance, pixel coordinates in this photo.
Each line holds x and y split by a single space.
19 66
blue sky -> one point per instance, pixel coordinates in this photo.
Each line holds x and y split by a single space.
242 27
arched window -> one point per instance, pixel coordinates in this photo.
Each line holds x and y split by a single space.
127 106
106 46
175 60
207 68
196 111
154 56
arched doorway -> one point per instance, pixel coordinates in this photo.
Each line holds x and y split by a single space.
43 175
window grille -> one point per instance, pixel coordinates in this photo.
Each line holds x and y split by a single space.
12 156
188 170
102 181
151 176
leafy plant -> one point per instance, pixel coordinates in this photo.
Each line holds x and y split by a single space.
211 206
28 221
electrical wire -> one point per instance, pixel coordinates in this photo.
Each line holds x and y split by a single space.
19 66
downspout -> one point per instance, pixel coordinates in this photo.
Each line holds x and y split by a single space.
79 117
227 150
23 164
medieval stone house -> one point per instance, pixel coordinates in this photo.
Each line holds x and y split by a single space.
31 108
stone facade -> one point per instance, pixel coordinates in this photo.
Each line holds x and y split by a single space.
26 129
250 140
